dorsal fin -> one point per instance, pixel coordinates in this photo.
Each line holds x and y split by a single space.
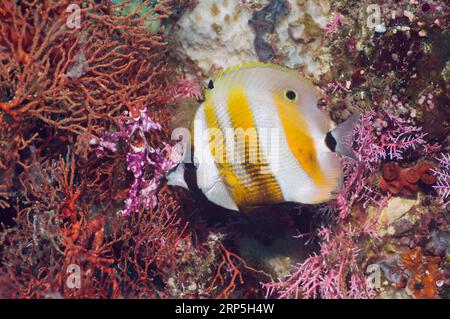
244 65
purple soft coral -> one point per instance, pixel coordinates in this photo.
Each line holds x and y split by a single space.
142 193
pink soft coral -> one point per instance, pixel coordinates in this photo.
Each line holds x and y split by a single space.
336 271
443 177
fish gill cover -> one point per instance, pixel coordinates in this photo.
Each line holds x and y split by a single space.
89 94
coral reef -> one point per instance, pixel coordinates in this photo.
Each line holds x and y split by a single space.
85 144
86 111
387 207
263 23
443 176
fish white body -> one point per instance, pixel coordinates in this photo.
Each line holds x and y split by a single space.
259 139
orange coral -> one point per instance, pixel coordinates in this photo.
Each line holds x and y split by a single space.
425 272
405 181
233 267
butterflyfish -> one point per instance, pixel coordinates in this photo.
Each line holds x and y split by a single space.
259 138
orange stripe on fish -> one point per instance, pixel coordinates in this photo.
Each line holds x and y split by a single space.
216 143
298 138
256 183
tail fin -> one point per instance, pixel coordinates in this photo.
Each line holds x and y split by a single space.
341 137
175 177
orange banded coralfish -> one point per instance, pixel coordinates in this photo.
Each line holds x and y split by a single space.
259 138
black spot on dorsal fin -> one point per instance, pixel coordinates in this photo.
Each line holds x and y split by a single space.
210 85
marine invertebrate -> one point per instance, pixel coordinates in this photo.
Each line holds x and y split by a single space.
140 157
405 181
54 224
377 137
326 274
142 8
218 34
425 273
443 176
84 135
211 35
133 256
230 263
337 20
71 82
82 94
386 136
186 88
37 86
335 272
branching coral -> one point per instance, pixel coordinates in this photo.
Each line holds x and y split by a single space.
148 253
443 176
83 132
55 232
84 135
72 81
326 274
85 145
78 71
377 137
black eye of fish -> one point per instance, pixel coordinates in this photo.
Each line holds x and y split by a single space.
330 141
291 95
210 85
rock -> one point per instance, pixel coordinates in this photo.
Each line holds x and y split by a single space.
380 28
439 243
402 226
263 22
396 208
278 257
218 34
